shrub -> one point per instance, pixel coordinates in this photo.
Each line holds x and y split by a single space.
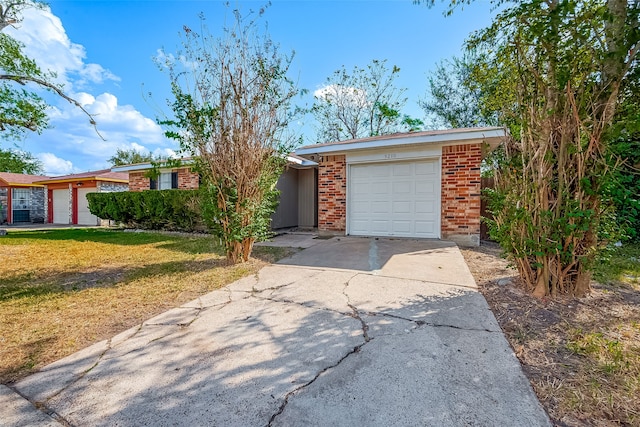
177 210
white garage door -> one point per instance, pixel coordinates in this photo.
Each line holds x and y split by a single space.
394 199
61 206
84 216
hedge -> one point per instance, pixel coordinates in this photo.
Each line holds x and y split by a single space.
177 210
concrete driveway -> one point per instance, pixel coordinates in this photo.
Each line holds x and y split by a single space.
349 332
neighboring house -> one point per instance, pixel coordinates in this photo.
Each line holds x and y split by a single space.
297 208
22 200
181 177
67 195
419 184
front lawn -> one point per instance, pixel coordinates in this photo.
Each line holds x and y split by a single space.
63 290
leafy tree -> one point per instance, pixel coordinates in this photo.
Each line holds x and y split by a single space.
457 97
361 103
553 71
624 148
17 161
563 63
21 108
231 113
128 157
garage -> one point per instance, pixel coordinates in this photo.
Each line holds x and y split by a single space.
85 217
394 199
60 201
424 184
67 194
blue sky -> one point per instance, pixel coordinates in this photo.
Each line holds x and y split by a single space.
102 52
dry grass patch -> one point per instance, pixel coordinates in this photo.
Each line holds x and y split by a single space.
582 356
63 290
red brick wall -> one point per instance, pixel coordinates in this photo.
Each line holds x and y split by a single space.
461 190
138 182
188 180
332 193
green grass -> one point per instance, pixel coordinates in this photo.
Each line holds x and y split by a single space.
620 266
63 290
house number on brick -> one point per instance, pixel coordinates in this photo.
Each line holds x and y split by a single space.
390 156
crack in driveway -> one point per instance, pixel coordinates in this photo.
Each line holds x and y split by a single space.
356 315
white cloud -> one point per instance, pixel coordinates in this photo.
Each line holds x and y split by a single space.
121 126
344 95
47 42
169 60
165 152
71 144
54 165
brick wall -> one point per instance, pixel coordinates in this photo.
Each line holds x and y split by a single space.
188 180
332 193
138 182
461 192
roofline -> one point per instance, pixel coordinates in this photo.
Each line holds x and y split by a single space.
17 184
147 165
295 161
300 163
406 139
86 178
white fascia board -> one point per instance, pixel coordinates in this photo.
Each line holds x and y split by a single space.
445 138
298 162
128 168
145 166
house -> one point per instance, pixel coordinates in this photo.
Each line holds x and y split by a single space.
169 177
67 195
297 187
419 184
21 198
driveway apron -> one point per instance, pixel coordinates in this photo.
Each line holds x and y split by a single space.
349 332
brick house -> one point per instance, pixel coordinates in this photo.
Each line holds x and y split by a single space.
297 187
181 177
21 198
67 195
419 184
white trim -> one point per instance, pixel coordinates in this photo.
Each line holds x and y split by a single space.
299 161
397 155
448 138
146 166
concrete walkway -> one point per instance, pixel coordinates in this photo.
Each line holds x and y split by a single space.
349 332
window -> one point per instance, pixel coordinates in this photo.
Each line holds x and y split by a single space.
21 198
165 181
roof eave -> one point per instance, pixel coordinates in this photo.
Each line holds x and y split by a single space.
18 184
89 178
493 137
145 166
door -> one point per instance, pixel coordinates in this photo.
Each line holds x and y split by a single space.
21 201
61 206
394 199
85 217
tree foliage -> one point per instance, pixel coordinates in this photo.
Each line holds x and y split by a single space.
129 157
457 97
231 113
559 74
361 103
559 67
22 109
18 161
624 156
